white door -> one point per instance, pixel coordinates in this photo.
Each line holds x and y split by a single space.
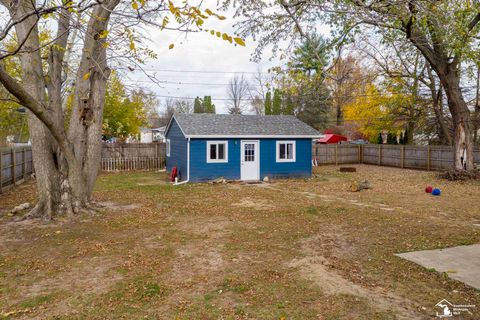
250 160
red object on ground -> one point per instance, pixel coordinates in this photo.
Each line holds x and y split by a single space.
174 174
331 138
428 189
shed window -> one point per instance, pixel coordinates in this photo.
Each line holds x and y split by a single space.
286 151
167 148
217 151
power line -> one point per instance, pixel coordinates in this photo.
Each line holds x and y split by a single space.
380 95
200 71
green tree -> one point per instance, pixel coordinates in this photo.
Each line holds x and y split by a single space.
315 103
124 112
379 139
405 137
198 105
391 138
311 56
268 103
207 105
289 107
13 117
277 102
302 86
13 122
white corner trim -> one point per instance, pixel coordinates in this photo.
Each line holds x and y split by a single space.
294 147
188 165
209 143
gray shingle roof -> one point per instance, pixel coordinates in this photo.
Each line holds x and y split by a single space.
225 125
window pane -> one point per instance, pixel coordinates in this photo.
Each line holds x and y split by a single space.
249 152
221 151
289 151
213 151
282 151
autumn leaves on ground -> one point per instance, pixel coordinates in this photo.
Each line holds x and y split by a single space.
292 249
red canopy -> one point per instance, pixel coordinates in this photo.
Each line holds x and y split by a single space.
331 138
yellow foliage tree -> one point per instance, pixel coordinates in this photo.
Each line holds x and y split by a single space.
371 112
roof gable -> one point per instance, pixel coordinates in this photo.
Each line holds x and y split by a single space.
203 125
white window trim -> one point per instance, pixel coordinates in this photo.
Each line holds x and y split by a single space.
167 147
293 142
209 143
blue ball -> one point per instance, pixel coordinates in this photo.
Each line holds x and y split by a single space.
436 192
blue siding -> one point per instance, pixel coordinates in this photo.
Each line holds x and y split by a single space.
178 150
200 170
269 166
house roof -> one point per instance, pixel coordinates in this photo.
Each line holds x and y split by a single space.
331 138
199 125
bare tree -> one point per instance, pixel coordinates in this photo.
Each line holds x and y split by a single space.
258 91
178 106
238 94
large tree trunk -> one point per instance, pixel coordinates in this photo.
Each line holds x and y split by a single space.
443 128
45 155
463 138
88 104
66 165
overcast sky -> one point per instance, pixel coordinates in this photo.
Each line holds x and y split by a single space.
198 65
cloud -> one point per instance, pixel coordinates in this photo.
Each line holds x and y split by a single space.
214 61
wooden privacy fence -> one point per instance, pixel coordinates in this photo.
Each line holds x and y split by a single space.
15 166
16 163
132 156
414 157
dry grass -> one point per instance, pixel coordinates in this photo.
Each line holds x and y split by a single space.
293 249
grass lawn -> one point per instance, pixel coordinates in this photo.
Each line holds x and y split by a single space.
292 249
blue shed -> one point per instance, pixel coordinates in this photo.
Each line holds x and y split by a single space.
247 147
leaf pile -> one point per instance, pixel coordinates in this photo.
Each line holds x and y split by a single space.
460 175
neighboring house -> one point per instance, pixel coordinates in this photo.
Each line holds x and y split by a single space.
331 138
159 134
248 147
149 135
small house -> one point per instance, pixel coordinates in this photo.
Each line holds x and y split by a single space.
205 146
149 135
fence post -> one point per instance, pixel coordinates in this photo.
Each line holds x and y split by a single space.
428 157
1 170
402 157
336 154
14 164
24 167
379 155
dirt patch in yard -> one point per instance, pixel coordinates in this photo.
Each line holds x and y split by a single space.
91 276
257 204
318 270
109 205
321 272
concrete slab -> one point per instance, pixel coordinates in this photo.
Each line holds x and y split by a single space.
460 263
